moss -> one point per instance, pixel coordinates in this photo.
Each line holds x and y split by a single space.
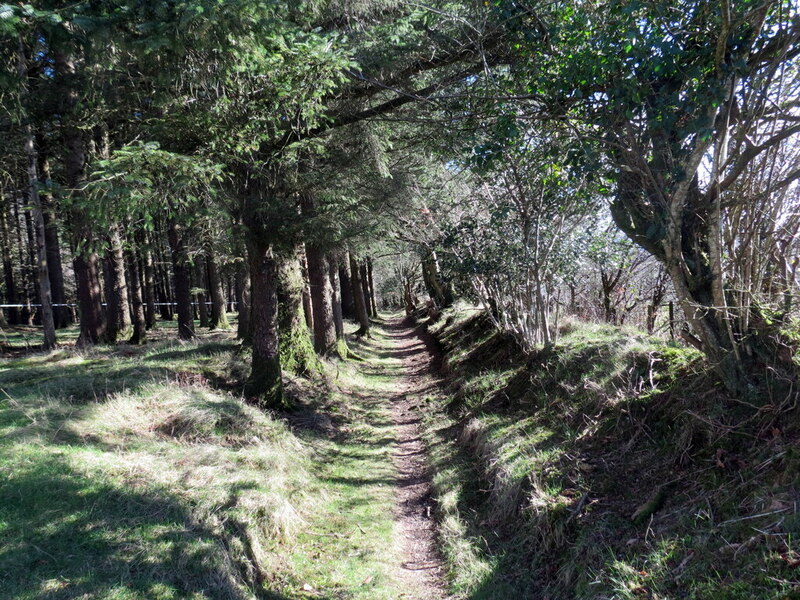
342 350
296 349
297 353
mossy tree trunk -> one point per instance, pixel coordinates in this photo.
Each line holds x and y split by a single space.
296 351
264 385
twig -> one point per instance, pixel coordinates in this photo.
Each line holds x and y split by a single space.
766 514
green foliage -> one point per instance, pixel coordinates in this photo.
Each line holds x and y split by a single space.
141 181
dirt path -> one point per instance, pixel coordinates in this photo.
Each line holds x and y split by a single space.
423 570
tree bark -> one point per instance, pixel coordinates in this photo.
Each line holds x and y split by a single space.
118 319
440 293
321 305
45 297
219 318
296 349
338 321
55 268
8 269
23 291
372 298
243 301
85 260
139 334
149 289
265 384
307 311
319 285
200 296
359 298
346 288
87 278
32 269
364 275
164 287
183 279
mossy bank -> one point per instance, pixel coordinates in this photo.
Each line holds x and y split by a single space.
609 466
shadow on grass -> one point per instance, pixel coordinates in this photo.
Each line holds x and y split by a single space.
67 536
203 350
91 381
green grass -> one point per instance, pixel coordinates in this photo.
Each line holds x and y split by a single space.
139 473
557 451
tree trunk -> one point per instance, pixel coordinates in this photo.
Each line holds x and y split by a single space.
440 293
307 311
296 349
149 289
45 297
183 280
321 305
338 321
685 249
62 316
8 269
164 288
23 292
319 285
364 275
33 271
243 301
85 260
118 317
219 318
265 384
359 298
200 296
346 288
372 298
87 278
139 334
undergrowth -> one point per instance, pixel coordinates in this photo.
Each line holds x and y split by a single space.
610 466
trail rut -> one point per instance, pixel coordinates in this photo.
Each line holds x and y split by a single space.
422 571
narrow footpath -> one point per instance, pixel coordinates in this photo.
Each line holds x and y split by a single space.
422 570
374 536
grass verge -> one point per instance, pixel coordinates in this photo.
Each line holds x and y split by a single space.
139 473
609 467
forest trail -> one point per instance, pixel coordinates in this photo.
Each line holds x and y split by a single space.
423 568
405 363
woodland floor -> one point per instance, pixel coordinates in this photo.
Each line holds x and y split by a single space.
332 502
